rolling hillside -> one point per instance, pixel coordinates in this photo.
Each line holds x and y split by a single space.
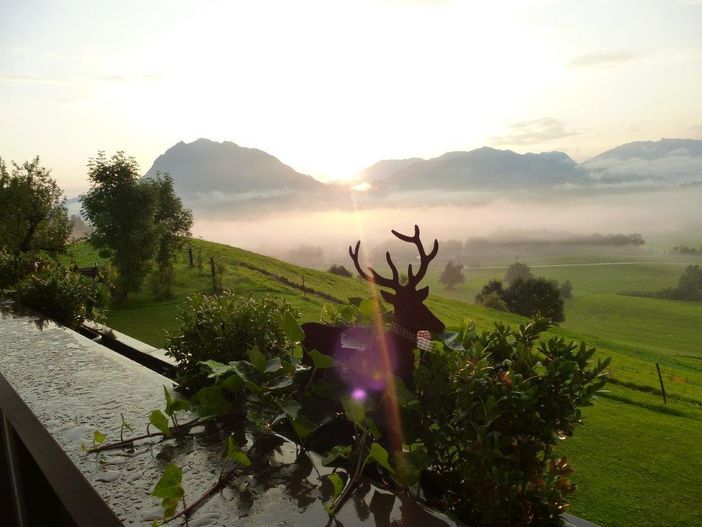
632 456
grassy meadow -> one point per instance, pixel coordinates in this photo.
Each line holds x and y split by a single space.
637 460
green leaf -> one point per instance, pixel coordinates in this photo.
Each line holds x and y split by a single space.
211 401
160 421
247 371
273 365
175 405
320 360
539 369
337 485
169 489
368 309
98 437
233 452
169 401
354 410
168 486
378 454
257 359
291 408
279 383
339 451
217 369
410 464
291 328
405 398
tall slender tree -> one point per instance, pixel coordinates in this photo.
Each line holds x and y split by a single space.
121 210
173 224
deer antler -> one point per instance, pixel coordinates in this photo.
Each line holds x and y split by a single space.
392 283
424 258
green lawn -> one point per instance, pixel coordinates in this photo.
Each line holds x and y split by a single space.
637 460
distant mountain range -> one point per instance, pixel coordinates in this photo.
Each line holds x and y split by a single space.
224 175
205 166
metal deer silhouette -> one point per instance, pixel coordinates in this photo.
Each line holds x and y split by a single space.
387 351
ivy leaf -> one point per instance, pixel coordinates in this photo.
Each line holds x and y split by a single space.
99 437
291 328
354 410
279 383
368 309
339 451
211 401
247 371
257 359
337 484
175 404
291 408
378 454
169 489
273 365
410 464
320 360
160 421
233 452
217 369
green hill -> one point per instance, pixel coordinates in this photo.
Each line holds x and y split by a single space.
636 458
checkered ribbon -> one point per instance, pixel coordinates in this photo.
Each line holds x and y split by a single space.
422 339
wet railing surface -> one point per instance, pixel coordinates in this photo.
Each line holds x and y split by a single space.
73 386
57 387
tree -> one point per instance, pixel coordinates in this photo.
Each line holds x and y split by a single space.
566 290
340 270
172 224
535 296
689 284
121 210
32 212
452 275
517 271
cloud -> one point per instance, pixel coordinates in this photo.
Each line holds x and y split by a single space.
602 59
32 79
533 132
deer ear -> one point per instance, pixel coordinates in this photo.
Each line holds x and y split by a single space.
388 297
423 293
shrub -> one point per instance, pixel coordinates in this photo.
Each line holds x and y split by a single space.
493 407
517 271
14 267
340 270
535 296
493 301
224 328
452 275
64 296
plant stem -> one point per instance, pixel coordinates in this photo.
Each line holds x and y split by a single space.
175 431
221 482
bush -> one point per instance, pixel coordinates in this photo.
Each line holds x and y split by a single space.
524 297
224 328
14 267
340 270
452 275
66 297
493 408
493 301
517 271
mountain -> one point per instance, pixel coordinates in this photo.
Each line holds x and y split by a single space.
657 161
382 169
487 169
206 167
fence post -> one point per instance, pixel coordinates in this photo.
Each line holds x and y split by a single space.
660 379
212 271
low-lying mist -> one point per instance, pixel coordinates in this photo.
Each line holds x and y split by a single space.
663 218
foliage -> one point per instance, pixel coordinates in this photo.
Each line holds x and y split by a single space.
225 328
525 297
566 290
689 286
172 223
14 267
535 296
452 275
121 210
340 270
64 296
517 271
686 251
32 212
493 407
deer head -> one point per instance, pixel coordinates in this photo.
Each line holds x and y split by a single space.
407 301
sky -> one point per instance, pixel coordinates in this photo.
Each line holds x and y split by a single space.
330 87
